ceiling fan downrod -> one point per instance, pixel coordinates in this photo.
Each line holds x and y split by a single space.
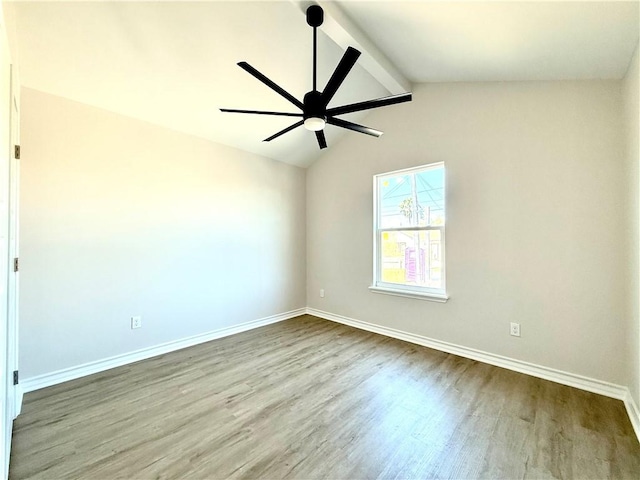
315 17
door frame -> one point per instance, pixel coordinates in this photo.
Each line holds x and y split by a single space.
14 398
9 198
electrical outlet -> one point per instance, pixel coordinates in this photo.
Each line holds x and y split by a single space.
136 322
515 329
322 293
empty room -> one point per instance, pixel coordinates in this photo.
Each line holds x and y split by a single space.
320 240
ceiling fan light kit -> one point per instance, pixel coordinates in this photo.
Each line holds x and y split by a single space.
315 114
314 124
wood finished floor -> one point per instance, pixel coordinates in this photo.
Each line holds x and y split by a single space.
308 398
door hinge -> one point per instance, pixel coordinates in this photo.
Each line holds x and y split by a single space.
15 377
16 152
16 264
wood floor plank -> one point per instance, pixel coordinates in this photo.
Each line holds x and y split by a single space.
311 399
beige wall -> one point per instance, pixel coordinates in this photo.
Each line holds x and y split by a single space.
631 113
122 218
535 221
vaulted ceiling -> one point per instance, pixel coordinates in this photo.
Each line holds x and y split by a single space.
174 63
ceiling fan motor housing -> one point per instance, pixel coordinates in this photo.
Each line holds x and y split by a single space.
314 107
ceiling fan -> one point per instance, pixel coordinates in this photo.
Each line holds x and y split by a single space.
315 114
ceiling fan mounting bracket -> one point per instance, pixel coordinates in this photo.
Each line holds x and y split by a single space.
315 16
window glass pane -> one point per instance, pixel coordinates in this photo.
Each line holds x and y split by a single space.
411 200
412 258
395 195
430 193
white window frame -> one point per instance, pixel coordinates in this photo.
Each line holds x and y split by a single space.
411 291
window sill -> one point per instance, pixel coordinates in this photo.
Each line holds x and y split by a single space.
432 297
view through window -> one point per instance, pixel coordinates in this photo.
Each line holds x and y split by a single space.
409 223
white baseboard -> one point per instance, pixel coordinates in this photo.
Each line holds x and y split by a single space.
558 376
53 378
633 412
570 379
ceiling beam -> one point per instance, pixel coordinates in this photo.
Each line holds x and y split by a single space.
342 30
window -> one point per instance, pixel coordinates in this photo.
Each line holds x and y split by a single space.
409 218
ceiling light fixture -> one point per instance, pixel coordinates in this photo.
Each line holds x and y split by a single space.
314 124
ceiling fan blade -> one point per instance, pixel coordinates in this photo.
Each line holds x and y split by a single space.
261 112
379 102
248 68
353 126
282 132
322 142
340 73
